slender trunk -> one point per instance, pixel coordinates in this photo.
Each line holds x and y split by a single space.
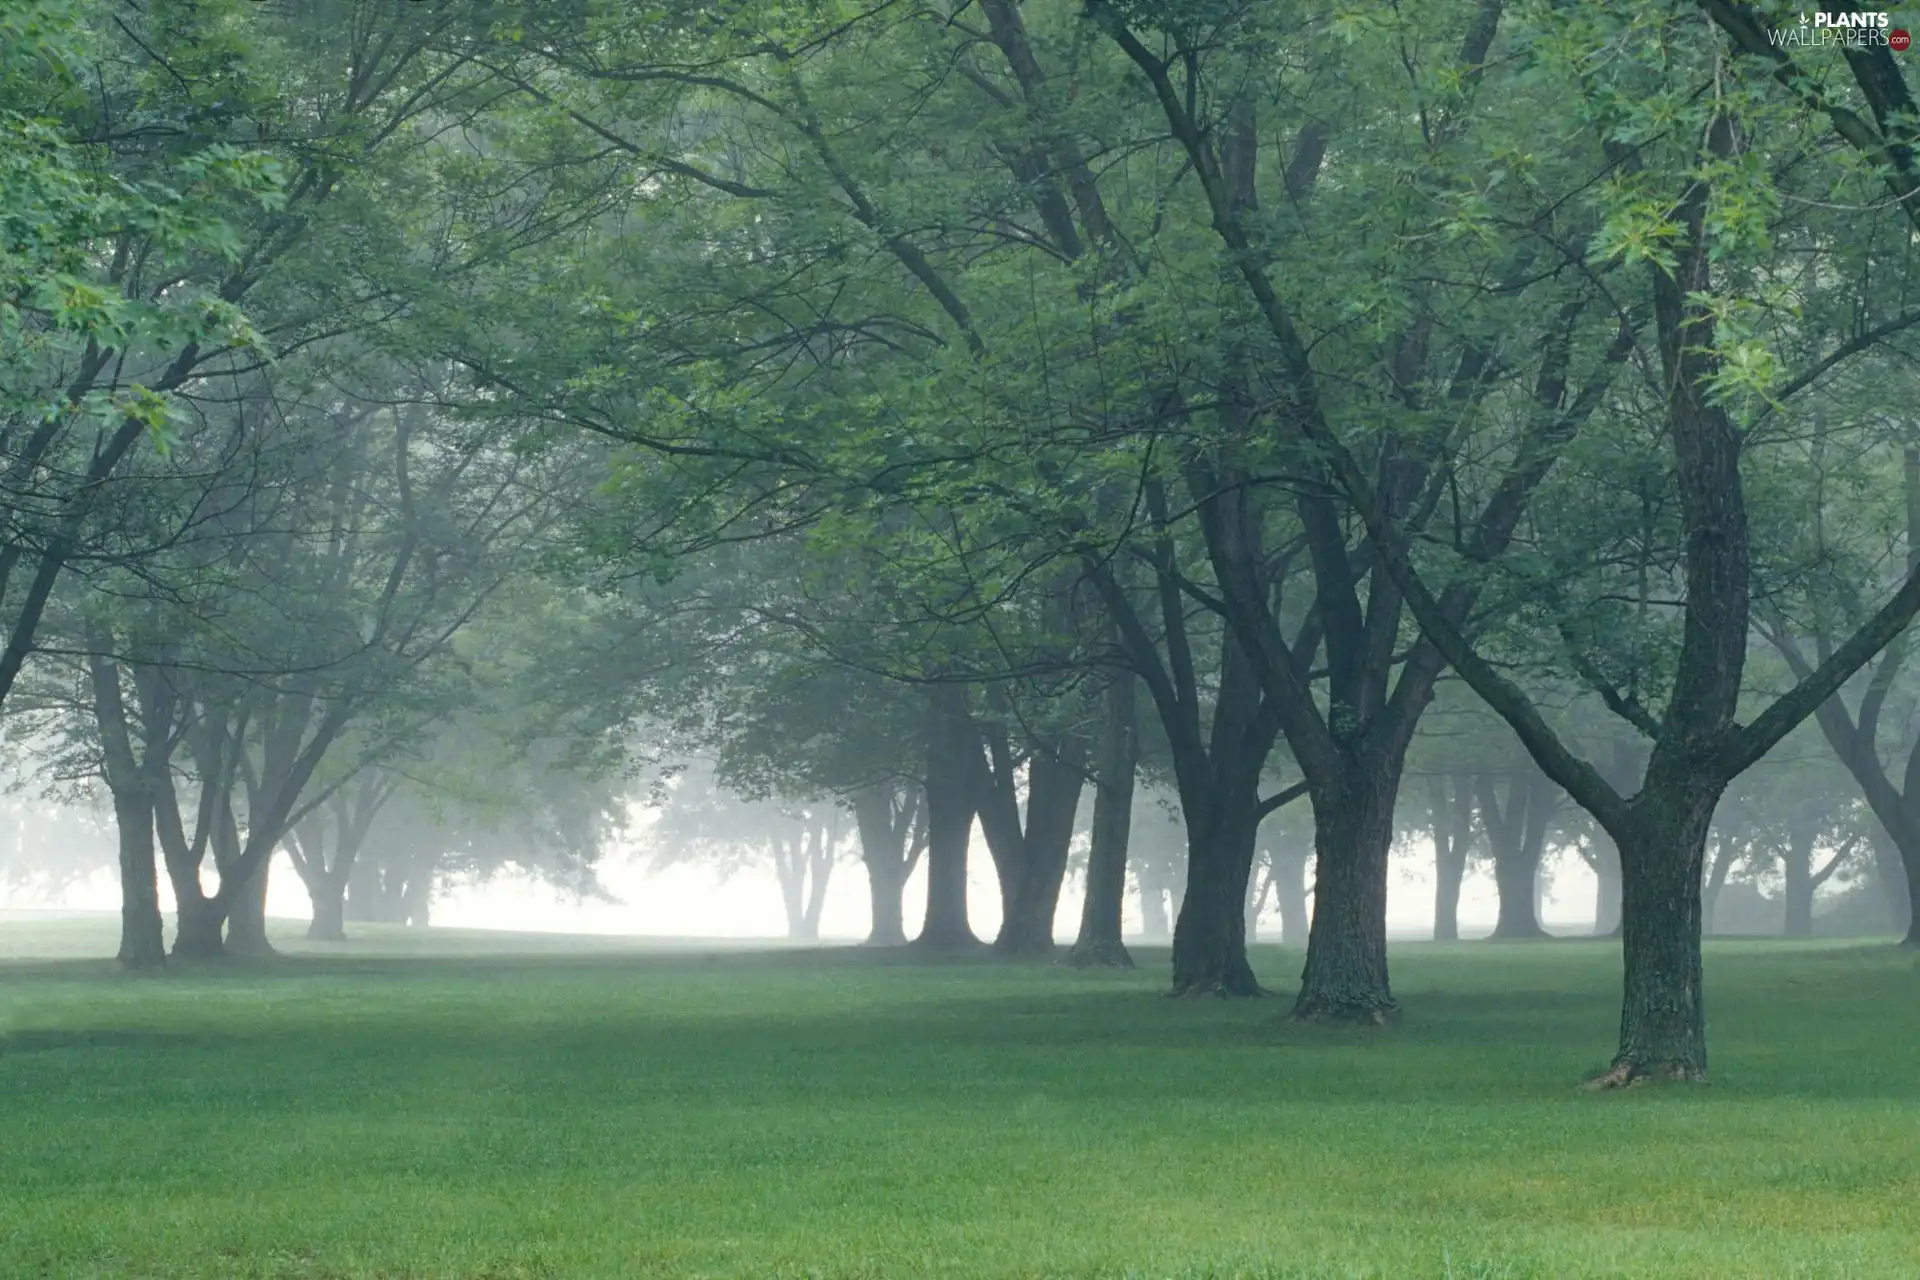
1290 895
1346 972
329 895
1452 808
1054 781
1099 940
1210 933
142 945
1797 868
1663 1014
950 804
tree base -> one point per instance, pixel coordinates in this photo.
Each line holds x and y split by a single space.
948 944
1534 934
1346 1013
1220 989
1108 954
1630 1075
885 940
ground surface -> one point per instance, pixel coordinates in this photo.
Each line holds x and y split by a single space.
389 1111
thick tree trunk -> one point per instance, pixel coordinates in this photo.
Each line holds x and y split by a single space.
950 795
247 921
142 943
1099 942
329 896
1210 934
1345 978
199 928
885 887
1290 896
1663 1014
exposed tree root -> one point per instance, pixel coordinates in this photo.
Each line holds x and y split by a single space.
1111 954
1625 1074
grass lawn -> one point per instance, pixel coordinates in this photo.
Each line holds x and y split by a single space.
634 1112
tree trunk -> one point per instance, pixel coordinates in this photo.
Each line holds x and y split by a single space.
142 943
950 786
1099 941
329 895
1518 836
882 854
1210 933
1797 868
199 928
1663 1014
1452 808
247 921
1345 978
1055 779
1290 896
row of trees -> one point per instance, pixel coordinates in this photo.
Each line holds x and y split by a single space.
941 407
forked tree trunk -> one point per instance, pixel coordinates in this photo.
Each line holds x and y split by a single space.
1797 870
1210 934
1663 1014
1099 942
1518 835
950 786
142 942
1156 922
882 848
1054 782
1345 978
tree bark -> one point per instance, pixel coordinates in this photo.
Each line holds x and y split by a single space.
142 943
247 918
1663 1013
1606 893
1797 870
950 798
1099 942
1345 978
